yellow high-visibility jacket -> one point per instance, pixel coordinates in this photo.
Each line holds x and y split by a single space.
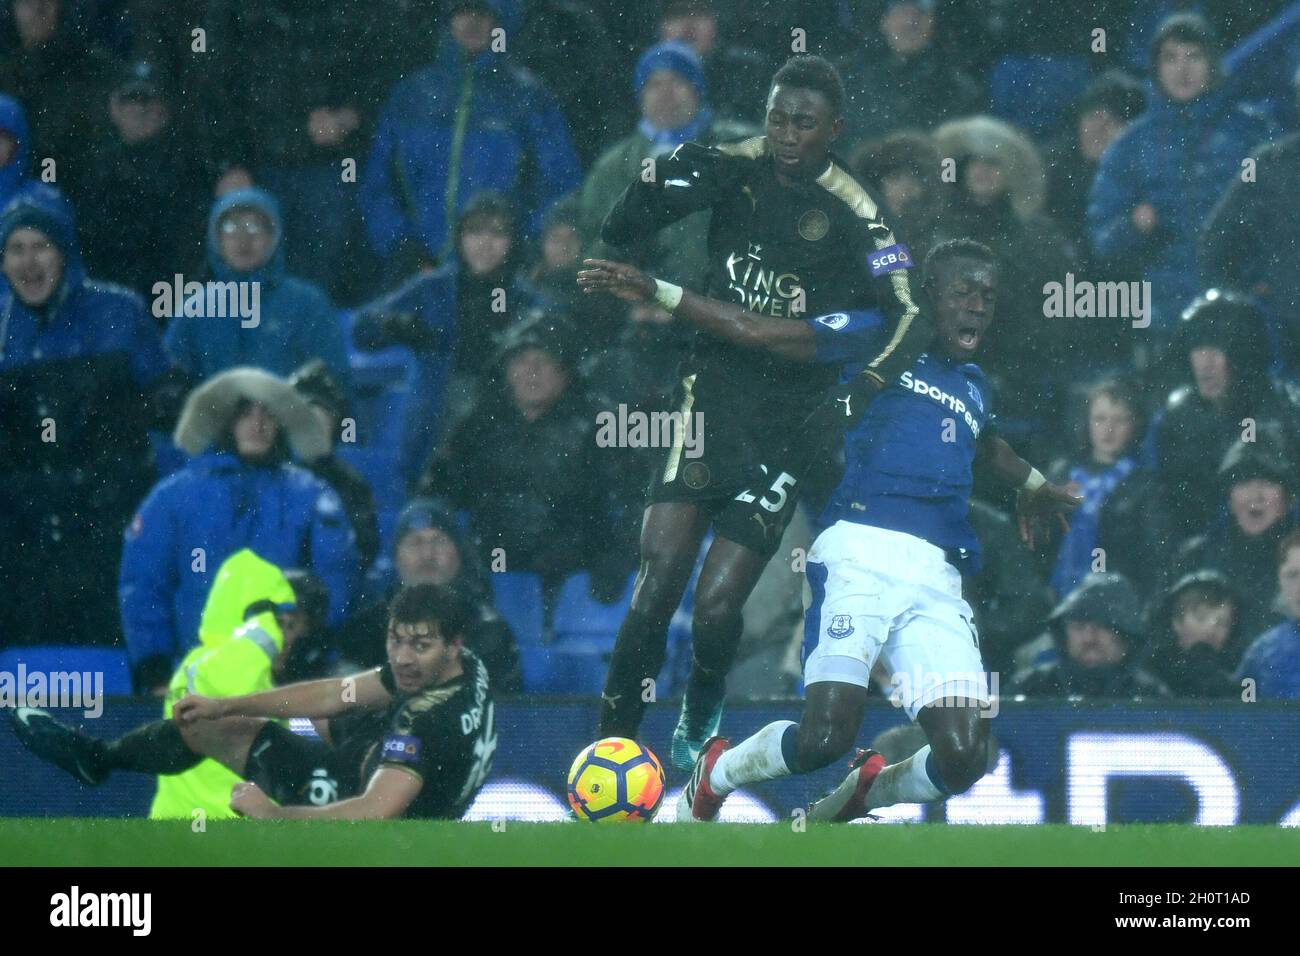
238 663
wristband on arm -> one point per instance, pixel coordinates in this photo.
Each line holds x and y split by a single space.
1034 481
667 295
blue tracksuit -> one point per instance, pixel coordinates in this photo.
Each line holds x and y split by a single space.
908 460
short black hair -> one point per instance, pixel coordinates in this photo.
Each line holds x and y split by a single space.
955 249
810 72
432 604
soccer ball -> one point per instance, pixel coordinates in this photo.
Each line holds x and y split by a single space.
616 780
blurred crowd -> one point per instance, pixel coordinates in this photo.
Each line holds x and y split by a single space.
299 278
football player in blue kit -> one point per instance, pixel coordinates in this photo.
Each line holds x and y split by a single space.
885 570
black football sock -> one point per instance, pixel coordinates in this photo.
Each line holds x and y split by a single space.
639 655
715 644
155 748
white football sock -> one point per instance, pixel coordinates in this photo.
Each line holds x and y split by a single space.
904 782
752 760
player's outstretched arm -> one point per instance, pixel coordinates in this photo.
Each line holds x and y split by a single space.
793 341
1039 500
387 796
314 698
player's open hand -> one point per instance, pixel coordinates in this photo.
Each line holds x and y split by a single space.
618 279
1039 512
248 800
194 707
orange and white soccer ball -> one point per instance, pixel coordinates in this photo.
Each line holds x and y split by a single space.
616 780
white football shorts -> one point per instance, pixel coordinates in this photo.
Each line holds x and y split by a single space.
893 596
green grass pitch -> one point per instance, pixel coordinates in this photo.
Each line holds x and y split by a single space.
85 842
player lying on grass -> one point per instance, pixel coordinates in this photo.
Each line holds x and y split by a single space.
885 572
413 738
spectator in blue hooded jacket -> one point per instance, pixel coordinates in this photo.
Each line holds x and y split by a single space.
1160 178
295 320
81 364
1272 661
50 309
241 491
15 152
468 122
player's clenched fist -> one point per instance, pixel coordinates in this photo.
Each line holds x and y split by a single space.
194 707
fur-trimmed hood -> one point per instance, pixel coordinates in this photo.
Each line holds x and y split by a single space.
210 408
983 137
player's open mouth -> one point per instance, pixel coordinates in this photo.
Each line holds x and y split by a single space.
968 337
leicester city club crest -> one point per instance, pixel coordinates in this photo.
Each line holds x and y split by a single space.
840 626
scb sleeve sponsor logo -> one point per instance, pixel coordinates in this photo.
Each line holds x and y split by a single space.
401 747
890 259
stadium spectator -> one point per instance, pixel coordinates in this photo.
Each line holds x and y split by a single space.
1273 660
1220 345
525 464
452 319
904 168
670 88
1108 462
1097 634
736 74
1197 638
430 548
900 78
999 200
549 36
240 491
15 152
314 383
47 64
81 372
291 124
290 320
1169 166
1248 239
51 309
469 122
1111 102
143 162
1009 595
1260 481
251 624
312 653
553 277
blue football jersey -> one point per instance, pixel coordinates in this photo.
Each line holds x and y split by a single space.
908 461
